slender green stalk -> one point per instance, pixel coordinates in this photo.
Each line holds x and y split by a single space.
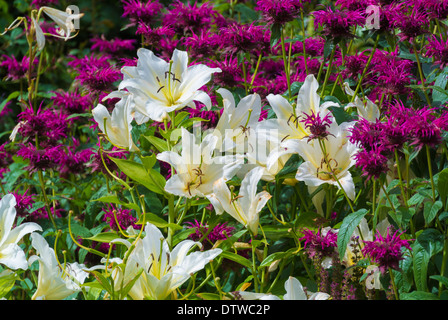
285 63
420 72
428 157
327 74
394 286
364 71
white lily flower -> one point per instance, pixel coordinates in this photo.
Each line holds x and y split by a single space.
289 119
163 270
159 87
54 283
366 109
64 19
237 122
117 127
11 255
245 207
315 170
196 168
294 291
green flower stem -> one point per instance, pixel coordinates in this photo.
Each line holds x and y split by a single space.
302 24
285 63
428 157
403 193
444 259
47 203
171 218
327 74
394 286
364 71
420 72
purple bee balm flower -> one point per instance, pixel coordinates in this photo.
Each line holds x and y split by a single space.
16 70
96 72
139 11
5 160
24 203
436 9
411 24
41 159
153 36
202 45
219 232
74 161
123 216
97 164
337 24
72 102
426 127
389 74
186 18
317 126
231 74
245 38
279 11
48 125
320 243
437 48
42 3
372 162
387 251
113 46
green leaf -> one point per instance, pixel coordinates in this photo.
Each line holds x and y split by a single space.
157 221
208 296
151 179
442 186
418 295
114 199
441 279
105 237
7 282
349 224
431 209
159 144
236 258
276 256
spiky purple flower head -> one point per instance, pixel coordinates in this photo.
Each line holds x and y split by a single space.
245 38
46 124
113 46
372 162
320 243
279 11
426 127
140 11
15 69
337 24
41 159
123 216
387 251
187 19
317 125
72 102
219 232
411 23
153 36
437 48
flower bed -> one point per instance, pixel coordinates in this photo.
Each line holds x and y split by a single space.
270 150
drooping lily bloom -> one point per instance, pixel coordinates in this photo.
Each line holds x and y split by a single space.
117 127
164 270
196 167
11 255
54 283
64 19
159 87
245 207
